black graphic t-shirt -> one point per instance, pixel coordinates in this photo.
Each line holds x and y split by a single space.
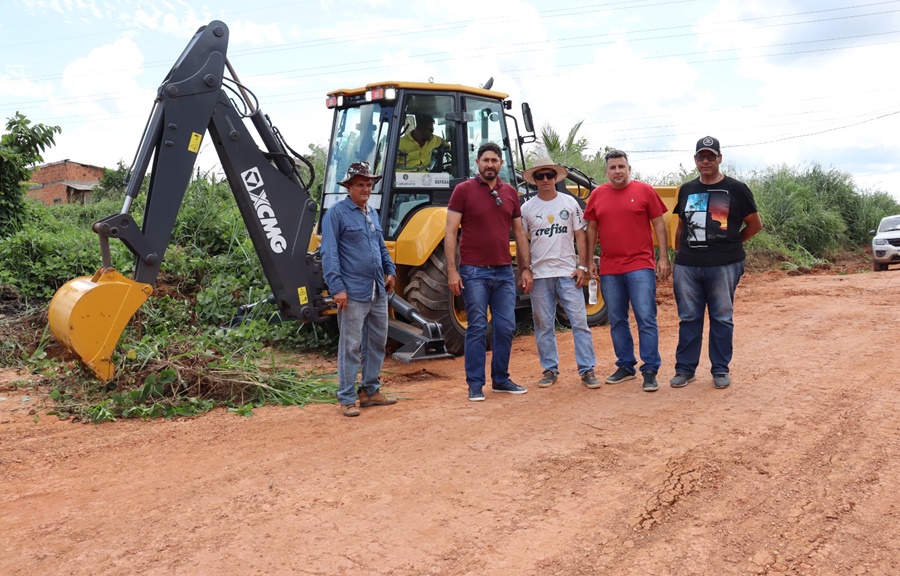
711 219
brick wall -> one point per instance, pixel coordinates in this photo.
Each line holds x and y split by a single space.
49 194
51 178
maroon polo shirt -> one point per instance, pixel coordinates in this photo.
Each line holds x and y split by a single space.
485 225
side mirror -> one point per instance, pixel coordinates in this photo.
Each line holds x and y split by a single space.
527 119
871 232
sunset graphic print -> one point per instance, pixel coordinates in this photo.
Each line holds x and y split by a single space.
706 215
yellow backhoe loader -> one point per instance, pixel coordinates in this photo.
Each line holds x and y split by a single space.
372 123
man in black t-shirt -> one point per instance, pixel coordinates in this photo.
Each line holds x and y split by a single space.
716 215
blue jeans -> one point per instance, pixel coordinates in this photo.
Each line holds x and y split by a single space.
484 287
544 296
698 288
639 288
363 327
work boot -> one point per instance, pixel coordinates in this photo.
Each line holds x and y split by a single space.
376 399
349 410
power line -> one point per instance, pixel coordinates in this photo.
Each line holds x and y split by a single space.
575 42
765 142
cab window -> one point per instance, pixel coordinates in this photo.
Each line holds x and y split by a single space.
486 125
360 134
425 143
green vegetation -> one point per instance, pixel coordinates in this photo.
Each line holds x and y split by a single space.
809 214
178 356
20 149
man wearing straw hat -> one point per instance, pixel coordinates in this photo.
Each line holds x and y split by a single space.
554 224
360 275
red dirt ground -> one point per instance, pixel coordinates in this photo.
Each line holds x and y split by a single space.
793 470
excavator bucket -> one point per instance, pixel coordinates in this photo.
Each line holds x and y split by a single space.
88 315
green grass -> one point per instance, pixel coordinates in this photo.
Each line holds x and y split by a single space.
176 359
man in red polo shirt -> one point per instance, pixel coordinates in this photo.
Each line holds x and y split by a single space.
620 214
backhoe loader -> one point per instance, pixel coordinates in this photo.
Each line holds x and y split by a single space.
371 123
89 314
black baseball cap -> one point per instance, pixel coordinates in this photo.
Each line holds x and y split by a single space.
708 143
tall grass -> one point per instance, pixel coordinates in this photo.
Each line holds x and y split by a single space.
209 269
814 212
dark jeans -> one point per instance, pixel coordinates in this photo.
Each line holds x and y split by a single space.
495 288
698 289
639 288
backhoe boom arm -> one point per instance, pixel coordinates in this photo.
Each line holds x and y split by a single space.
276 208
88 314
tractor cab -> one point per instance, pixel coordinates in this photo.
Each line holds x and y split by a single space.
423 138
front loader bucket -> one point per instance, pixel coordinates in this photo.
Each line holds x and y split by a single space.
88 315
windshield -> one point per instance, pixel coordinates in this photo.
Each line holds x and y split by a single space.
360 134
487 125
889 224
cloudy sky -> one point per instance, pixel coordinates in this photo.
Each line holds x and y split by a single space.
795 82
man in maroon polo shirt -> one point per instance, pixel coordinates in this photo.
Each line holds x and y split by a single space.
486 208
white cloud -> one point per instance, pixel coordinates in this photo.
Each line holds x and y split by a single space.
101 94
254 34
777 83
16 84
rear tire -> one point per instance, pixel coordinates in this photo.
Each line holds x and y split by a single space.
597 314
428 291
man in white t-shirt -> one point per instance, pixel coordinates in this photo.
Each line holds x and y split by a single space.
554 223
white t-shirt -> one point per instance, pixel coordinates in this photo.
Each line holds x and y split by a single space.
551 227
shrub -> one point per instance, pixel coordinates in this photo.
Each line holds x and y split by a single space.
175 344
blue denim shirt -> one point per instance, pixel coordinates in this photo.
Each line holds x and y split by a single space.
354 257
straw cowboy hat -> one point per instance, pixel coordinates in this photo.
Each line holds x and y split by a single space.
359 169
545 163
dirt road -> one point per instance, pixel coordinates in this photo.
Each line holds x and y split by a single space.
793 470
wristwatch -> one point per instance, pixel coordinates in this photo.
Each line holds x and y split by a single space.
582 268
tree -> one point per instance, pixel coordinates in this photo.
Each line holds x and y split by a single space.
113 183
20 149
570 151
318 156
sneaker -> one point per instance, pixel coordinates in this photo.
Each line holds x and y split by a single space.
548 380
680 380
376 399
349 410
509 387
721 381
650 384
476 396
620 375
589 379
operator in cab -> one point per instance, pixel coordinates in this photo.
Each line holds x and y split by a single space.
417 146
